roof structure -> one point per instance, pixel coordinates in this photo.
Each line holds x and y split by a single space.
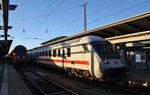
3 46
127 26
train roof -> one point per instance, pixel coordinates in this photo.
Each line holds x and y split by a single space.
52 40
19 47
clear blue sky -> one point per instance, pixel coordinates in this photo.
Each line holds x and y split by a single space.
65 17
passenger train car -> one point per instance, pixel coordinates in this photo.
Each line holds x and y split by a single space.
88 56
19 55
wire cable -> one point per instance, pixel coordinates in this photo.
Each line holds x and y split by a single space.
48 15
40 16
110 15
119 11
102 9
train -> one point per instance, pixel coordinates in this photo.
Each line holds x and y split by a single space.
19 55
88 56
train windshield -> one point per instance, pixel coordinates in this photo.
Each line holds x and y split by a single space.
105 49
21 51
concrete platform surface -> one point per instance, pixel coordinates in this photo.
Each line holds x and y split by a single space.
12 84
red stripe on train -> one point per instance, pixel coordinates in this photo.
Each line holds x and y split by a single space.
68 61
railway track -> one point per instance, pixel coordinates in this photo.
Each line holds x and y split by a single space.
44 86
79 85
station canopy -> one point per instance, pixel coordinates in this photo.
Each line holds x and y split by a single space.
3 46
131 25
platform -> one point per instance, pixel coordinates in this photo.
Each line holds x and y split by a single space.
11 83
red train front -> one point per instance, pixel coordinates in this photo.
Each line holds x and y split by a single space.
19 55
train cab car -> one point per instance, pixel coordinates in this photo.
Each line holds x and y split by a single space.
19 55
88 56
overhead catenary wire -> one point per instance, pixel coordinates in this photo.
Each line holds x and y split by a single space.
147 1
50 13
49 5
102 9
119 11
98 19
40 16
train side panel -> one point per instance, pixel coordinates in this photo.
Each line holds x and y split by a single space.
87 56
77 58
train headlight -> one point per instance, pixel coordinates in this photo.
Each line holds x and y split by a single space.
106 62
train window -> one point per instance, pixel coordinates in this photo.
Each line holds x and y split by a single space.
54 53
59 53
85 47
46 53
68 52
43 53
40 54
63 53
35 55
50 53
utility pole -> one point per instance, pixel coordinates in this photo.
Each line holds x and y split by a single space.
84 16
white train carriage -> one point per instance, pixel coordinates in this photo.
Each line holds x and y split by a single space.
86 56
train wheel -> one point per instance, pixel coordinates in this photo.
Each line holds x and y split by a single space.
86 74
74 72
91 78
69 71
